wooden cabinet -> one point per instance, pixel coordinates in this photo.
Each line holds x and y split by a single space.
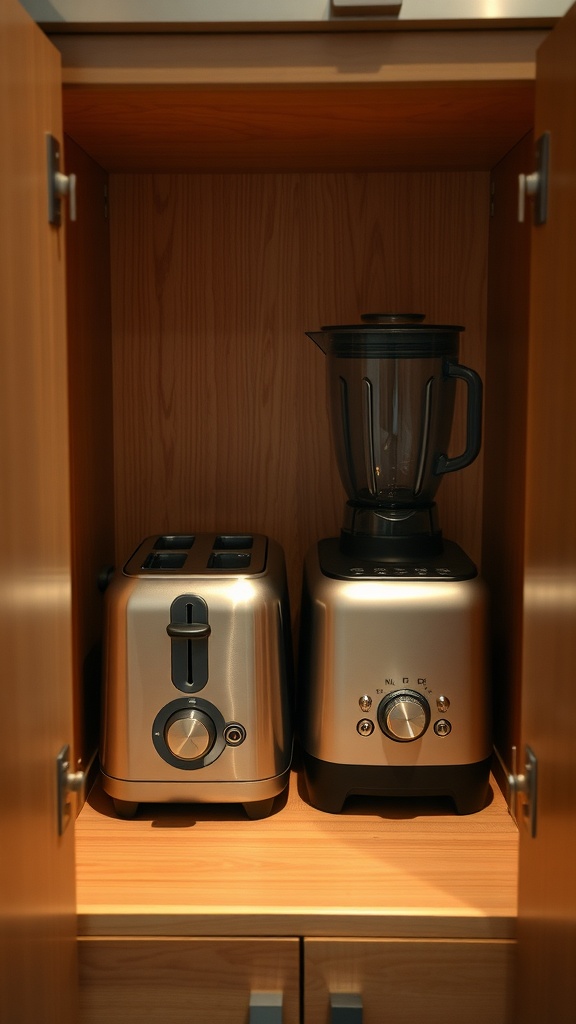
259 186
245 207
235 191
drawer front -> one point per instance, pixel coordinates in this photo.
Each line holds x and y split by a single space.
403 981
167 981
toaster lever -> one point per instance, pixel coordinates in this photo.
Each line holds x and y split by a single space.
188 630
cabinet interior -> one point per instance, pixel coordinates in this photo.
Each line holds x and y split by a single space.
218 221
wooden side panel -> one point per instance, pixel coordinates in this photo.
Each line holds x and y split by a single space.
547 887
167 981
403 981
219 397
505 440
91 443
37 905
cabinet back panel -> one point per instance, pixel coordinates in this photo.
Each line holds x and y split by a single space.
220 402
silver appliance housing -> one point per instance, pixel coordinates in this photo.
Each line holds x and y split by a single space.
241 690
389 631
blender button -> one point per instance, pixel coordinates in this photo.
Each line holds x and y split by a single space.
365 727
442 703
443 727
356 571
365 702
444 572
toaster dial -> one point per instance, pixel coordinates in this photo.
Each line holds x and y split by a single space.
404 715
189 734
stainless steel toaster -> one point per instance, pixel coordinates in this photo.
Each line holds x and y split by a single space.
198 674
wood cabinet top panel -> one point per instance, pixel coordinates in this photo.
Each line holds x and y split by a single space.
359 101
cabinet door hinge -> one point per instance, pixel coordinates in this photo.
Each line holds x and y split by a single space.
67 782
59 185
523 790
535 184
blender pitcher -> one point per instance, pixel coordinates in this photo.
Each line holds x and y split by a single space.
392 384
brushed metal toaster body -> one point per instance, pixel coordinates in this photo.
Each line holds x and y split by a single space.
197 703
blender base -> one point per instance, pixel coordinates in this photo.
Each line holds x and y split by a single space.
329 784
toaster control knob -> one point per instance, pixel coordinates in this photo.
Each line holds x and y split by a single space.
189 734
404 715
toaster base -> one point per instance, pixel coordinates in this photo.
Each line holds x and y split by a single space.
257 797
329 784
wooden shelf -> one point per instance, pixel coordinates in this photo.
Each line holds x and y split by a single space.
384 868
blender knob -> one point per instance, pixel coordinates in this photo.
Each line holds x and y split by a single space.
404 716
189 734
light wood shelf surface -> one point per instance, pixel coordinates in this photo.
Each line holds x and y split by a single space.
383 868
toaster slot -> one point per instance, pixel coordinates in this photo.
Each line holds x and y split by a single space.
189 630
233 541
229 560
165 560
174 542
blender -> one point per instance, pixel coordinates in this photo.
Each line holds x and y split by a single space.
393 681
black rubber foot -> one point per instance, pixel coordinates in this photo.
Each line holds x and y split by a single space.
259 809
330 784
125 808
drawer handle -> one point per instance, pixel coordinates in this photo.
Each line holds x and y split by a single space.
265 1008
345 1008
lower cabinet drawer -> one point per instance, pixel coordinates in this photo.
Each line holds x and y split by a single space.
409 981
169 980
133 980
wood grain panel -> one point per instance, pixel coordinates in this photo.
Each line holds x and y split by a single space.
166 981
311 58
547 891
405 981
505 441
220 403
91 443
37 896
343 128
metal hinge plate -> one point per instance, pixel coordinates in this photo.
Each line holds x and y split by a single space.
59 185
536 183
523 791
67 782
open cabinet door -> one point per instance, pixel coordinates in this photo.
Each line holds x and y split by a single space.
547 887
37 886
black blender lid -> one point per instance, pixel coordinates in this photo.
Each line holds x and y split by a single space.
389 335
391 322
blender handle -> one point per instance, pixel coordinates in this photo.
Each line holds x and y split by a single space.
444 464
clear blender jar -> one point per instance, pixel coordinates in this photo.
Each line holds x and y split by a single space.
392 385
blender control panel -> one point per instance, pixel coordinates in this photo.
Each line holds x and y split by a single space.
451 564
404 715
